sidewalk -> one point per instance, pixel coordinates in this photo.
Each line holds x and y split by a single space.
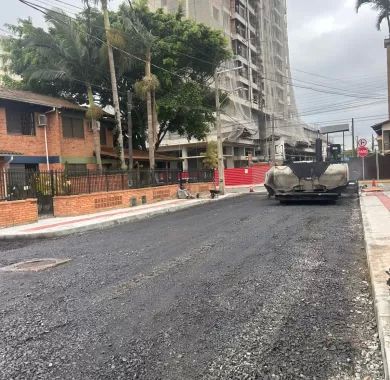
246 189
54 227
376 221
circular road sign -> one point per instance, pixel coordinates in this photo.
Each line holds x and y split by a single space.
362 142
362 151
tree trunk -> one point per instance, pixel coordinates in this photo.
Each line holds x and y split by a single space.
149 107
114 86
95 131
155 119
130 128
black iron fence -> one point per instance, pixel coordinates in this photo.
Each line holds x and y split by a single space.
23 184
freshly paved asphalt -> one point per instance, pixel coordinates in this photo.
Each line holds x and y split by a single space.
238 289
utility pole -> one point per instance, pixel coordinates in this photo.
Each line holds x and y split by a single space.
273 141
130 129
387 47
221 166
377 164
353 138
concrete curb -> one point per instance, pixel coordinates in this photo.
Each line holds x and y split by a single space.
378 257
110 223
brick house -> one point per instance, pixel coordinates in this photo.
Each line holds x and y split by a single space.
43 132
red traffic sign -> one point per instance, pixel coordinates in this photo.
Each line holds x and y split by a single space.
362 142
362 151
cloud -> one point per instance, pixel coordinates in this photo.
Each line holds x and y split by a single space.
331 40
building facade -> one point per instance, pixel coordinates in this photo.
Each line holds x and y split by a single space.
39 132
382 131
262 107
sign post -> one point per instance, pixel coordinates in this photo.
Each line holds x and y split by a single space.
363 152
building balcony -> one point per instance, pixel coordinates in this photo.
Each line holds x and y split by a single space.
239 17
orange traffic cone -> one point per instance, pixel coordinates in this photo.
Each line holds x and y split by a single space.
373 184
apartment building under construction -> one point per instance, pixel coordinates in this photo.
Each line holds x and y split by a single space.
262 108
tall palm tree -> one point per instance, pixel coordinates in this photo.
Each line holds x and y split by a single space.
143 43
114 84
383 9
68 55
381 6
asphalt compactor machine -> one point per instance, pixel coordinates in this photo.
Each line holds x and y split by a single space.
311 181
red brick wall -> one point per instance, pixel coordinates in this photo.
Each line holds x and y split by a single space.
57 145
18 212
95 202
77 147
30 145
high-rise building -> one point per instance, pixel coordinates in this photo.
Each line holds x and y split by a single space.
262 109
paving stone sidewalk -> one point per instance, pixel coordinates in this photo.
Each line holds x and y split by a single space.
376 220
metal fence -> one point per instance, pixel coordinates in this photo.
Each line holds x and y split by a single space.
22 184
371 170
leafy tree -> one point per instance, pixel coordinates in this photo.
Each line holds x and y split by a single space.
381 6
210 160
183 57
65 53
110 39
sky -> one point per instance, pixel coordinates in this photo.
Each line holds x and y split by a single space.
333 50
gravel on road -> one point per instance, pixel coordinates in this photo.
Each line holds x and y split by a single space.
243 288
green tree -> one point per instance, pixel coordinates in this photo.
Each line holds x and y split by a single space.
381 6
64 53
110 37
210 160
183 58
184 55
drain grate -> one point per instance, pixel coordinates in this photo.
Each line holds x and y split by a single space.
35 265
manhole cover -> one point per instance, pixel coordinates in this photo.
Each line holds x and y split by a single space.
35 265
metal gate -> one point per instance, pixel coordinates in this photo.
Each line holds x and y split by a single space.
23 184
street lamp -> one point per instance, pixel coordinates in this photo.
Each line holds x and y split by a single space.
221 166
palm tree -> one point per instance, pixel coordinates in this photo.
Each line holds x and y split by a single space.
69 55
146 88
383 9
114 85
381 6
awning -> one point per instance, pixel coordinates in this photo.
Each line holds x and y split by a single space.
378 127
8 153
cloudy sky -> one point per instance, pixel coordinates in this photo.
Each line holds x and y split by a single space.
333 50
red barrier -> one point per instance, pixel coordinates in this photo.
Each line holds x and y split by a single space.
244 176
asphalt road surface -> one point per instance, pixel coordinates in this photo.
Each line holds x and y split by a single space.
243 288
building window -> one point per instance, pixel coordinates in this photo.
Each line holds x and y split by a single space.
76 169
103 135
20 121
72 127
216 13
